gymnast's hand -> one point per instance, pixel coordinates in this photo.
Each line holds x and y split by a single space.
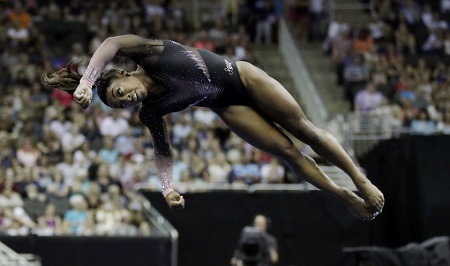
175 200
83 95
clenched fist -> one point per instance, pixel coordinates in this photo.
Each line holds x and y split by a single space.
83 95
175 200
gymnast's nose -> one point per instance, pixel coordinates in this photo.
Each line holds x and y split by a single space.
129 97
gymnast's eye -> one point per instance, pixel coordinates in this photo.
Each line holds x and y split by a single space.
119 91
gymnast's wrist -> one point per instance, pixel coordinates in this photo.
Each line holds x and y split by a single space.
88 82
167 191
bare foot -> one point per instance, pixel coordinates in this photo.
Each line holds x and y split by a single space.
357 205
372 196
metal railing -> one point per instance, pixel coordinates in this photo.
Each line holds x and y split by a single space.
164 226
334 5
9 257
365 130
208 9
314 105
335 174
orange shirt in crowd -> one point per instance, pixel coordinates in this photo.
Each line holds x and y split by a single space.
362 45
23 18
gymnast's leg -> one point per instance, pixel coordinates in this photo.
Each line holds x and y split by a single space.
258 131
275 102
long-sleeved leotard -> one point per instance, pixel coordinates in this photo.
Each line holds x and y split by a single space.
191 77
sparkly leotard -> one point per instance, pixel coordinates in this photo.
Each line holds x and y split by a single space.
190 77
193 77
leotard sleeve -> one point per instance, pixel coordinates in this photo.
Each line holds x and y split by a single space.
105 53
163 150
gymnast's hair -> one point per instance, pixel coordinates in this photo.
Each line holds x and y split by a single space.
68 79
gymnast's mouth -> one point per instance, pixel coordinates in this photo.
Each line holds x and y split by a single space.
135 96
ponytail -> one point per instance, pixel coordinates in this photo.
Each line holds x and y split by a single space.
66 79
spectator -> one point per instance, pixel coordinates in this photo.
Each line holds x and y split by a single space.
268 246
125 143
58 188
297 12
218 169
7 155
340 49
12 200
103 178
153 10
316 14
423 124
411 11
245 171
181 163
335 29
409 111
204 116
108 217
356 75
405 41
376 27
445 6
93 196
114 124
272 172
17 35
427 15
362 42
265 17
434 43
198 166
144 229
436 23
49 222
60 125
84 156
28 154
67 168
77 215
73 139
90 130
369 99
181 129
123 170
108 153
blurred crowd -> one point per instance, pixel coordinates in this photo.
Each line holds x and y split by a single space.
69 171
397 66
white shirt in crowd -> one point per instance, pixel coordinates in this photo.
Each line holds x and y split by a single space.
204 116
113 127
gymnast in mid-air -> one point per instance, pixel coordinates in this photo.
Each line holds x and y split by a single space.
171 77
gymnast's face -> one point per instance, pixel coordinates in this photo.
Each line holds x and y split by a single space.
126 91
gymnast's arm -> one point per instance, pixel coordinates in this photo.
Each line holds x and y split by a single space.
163 157
110 47
106 52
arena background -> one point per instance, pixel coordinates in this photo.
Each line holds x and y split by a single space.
312 228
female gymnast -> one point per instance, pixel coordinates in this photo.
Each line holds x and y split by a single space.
170 77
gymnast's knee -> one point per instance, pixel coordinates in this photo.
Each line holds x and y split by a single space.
288 152
310 134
